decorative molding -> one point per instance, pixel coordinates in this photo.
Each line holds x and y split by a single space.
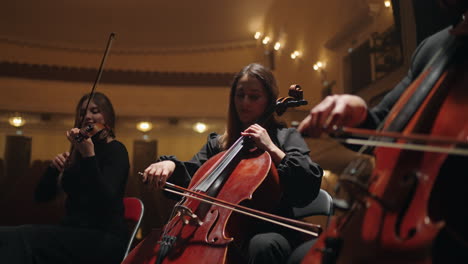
73 74
235 45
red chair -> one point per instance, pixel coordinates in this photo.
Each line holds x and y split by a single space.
134 210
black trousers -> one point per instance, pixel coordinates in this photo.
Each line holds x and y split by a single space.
41 244
268 248
299 253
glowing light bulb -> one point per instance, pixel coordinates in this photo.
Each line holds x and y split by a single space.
295 54
277 46
257 35
199 127
144 126
17 121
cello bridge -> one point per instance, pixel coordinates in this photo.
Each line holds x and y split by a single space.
187 215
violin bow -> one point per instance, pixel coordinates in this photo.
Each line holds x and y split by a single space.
98 77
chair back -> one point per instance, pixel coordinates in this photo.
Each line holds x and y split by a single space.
134 210
321 205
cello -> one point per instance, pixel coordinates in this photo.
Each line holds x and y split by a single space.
397 218
202 227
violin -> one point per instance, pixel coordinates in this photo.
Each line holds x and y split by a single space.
393 219
91 130
203 228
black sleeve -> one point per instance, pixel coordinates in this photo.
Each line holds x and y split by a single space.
299 175
47 188
185 170
420 58
107 178
376 116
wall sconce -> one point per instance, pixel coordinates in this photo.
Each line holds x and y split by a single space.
258 35
319 66
200 127
387 4
144 126
296 54
17 120
277 46
327 85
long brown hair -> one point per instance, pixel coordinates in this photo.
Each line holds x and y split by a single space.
106 108
234 125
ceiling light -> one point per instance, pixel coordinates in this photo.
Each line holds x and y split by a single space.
387 3
266 40
144 126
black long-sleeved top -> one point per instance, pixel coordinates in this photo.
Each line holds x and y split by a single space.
299 176
421 57
95 187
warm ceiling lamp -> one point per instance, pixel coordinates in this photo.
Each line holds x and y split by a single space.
199 127
17 121
144 126
266 40
387 3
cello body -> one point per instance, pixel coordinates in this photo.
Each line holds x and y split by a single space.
213 221
207 238
395 221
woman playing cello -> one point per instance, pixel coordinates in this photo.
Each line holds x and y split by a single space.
448 195
253 91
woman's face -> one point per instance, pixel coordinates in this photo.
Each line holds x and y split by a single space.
93 115
250 99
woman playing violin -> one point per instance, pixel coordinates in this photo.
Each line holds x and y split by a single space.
253 91
448 197
93 177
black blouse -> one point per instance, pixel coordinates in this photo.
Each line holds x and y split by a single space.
299 176
95 188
